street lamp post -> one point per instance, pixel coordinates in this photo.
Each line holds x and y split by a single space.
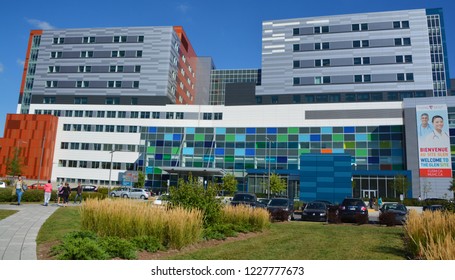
110 172
269 149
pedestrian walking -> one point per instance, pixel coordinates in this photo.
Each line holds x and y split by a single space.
20 188
78 193
66 194
60 194
47 192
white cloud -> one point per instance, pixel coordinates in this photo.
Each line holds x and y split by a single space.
183 8
1 68
20 62
40 24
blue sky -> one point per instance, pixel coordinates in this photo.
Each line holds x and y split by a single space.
228 31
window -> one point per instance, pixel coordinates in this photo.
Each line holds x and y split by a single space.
82 84
62 163
137 68
357 60
409 77
399 59
133 101
85 146
296 64
296 99
88 40
326 62
364 26
296 31
89 114
365 43
274 99
406 41
87 127
72 163
53 69
356 44
68 113
78 113
135 84
116 68
317 29
109 128
325 29
155 115
207 116
218 116
64 145
100 114
400 77
99 128
355 27
134 115
85 69
120 128
83 164
326 80
396 24
97 147
296 47
317 80
121 114
56 54
114 84
317 63
95 164
112 100
118 54
325 46
119 39
408 58
169 115
49 100
59 40
397 41
86 54
132 129
145 115
140 39
366 78
405 24
51 84
179 115
74 146
366 60
110 114
358 78
138 53
80 100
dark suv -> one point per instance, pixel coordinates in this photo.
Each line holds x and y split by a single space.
353 210
246 199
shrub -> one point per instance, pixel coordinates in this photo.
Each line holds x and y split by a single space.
6 195
79 246
147 243
332 214
387 219
33 196
220 231
119 248
191 194
360 219
246 217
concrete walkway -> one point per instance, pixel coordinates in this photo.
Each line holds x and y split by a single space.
18 232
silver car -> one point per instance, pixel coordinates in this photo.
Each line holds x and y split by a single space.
131 193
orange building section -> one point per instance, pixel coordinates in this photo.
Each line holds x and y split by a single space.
187 77
27 57
32 137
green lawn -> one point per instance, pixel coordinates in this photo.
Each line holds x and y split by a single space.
311 241
6 213
283 241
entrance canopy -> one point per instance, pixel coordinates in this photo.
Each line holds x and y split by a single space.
195 171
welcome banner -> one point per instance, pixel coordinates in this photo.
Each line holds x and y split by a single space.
433 141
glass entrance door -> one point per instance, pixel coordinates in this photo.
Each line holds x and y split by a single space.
369 193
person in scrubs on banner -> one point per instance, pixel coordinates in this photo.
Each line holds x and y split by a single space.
438 137
424 127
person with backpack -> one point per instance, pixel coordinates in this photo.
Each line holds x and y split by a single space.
47 192
60 194
21 187
78 193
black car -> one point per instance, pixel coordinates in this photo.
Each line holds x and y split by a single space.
86 188
434 204
249 199
315 211
397 210
281 206
353 210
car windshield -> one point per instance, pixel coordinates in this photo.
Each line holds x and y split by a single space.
316 205
351 202
278 202
399 207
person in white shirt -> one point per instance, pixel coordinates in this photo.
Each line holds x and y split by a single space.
438 137
424 127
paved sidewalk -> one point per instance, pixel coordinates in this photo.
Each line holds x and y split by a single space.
18 232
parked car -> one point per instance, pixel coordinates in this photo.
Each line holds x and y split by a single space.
328 203
249 199
2 185
86 188
398 210
353 210
131 193
161 200
264 201
36 186
281 204
434 204
315 211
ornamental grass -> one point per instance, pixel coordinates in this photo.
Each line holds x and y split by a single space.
431 235
174 228
257 218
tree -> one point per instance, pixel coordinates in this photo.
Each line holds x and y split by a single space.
277 184
140 180
426 188
14 166
452 186
401 184
230 183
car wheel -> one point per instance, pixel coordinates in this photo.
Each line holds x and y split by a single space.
142 196
113 194
289 217
125 196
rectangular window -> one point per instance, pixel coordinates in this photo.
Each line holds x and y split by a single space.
396 24
134 115
326 62
325 29
78 114
89 114
399 59
132 129
317 63
88 40
97 147
85 146
296 47
296 64
155 115
317 80
140 39
62 163
133 101
325 46
179 115
406 41
72 163
296 31
137 69
121 114
296 99
49 100
145 115
326 79
409 77
397 41
274 99
366 78
218 116
120 128
109 128
169 115
110 114
400 77
207 116
365 43
366 60
317 46
357 60
364 26
356 44
408 58
358 78
74 146
80 100
99 128
138 53
135 84
100 114
296 82
355 27
87 127
317 29
68 113
405 24
64 145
